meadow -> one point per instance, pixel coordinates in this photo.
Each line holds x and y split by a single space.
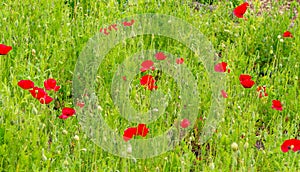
48 38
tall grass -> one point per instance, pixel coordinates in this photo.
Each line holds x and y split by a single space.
47 38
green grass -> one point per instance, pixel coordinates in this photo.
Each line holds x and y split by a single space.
48 37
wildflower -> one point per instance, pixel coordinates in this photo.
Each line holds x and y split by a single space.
240 10
221 67
179 60
259 144
185 123
104 31
287 34
291 144
62 116
4 49
279 36
80 104
67 112
38 93
246 81
76 137
142 130
234 146
276 104
148 81
64 131
160 56
46 99
262 91
129 133
33 52
146 65
50 84
130 23
26 84
113 26
224 94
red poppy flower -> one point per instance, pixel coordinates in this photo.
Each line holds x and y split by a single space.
221 67
287 34
240 10
68 111
80 104
291 144
104 31
26 84
146 65
148 81
142 130
246 81
4 49
130 23
124 78
244 77
50 84
62 116
151 86
262 91
224 94
160 56
113 26
179 60
46 99
185 123
129 133
276 104
37 92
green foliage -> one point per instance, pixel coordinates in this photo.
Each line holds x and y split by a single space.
47 38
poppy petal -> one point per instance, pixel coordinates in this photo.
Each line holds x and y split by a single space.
62 116
129 133
26 84
4 49
46 99
224 94
221 67
142 130
179 60
276 104
160 56
37 92
287 34
68 111
240 10
185 123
